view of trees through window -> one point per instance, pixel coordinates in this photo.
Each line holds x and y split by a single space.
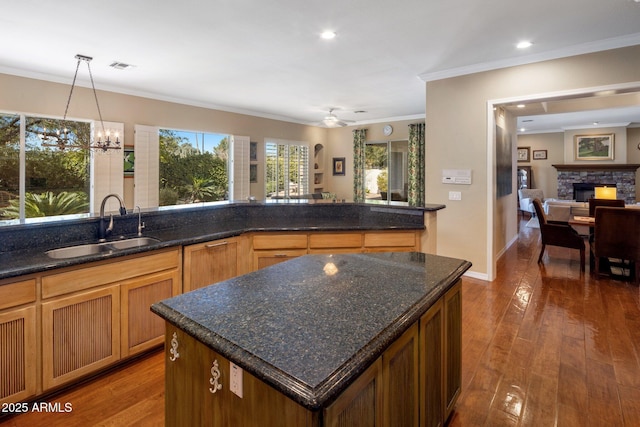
193 167
386 171
56 181
287 170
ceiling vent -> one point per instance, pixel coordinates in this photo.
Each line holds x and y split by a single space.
119 65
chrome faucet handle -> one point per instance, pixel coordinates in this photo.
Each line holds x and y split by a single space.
110 227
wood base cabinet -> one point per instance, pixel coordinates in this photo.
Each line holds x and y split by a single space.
415 382
18 372
212 262
200 393
18 340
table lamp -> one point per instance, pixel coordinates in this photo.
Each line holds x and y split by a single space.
606 193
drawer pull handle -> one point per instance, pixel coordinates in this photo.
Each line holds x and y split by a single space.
215 245
174 348
215 376
280 255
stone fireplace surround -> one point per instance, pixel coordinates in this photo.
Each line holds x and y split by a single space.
623 175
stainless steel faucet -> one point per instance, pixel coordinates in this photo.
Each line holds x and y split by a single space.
141 225
105 229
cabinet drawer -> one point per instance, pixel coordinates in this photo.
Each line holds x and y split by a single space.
280 241
18 293
394 239
335 240
77 279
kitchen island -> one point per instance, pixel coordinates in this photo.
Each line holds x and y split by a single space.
336 339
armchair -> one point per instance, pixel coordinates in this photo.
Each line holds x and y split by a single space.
556 233
526 197
617 235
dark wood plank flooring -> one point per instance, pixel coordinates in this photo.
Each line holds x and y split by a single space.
542 346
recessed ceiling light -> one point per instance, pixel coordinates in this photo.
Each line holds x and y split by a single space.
524 44
522 130
520 105
328 35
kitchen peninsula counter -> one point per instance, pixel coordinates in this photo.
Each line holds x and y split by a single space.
23 246
307 328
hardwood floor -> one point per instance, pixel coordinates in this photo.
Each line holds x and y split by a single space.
542 346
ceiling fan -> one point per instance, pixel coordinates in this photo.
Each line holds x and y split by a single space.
332 121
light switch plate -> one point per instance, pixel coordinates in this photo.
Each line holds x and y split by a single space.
236 379
455 195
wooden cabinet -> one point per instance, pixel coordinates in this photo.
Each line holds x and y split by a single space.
360 405
211 262
273 248
200 393
140 329
80 334
97 314
452 347
391 241
18 369
431 367
346 242
415 382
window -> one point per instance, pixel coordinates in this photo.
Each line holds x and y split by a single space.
287 169
38 180
386 171
193 167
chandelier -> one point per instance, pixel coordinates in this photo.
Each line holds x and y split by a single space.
61 139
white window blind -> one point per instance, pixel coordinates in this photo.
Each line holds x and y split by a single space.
287 166
107 170
239 167
147 166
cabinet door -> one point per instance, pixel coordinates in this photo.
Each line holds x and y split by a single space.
18 370
335 242
209 263
431 367
262 259
140 328
453 346
401 381
80 334
360 405
198 391
391 241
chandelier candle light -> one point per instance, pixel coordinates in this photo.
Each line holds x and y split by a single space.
61 139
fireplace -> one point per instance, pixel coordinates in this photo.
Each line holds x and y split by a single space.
583 191
624 176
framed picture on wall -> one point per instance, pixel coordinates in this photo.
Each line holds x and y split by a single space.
253 173
539 154
338 165
253 151
524 154
594 147
129 161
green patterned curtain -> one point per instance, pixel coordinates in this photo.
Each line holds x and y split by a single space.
359 137
416 165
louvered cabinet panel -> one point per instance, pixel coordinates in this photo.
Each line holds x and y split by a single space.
140 328
18 371
80 334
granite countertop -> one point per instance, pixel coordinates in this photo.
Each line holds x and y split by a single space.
194 225
309 326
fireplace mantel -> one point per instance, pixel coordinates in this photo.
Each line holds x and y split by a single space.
620 167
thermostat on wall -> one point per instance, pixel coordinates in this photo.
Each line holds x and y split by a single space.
456 176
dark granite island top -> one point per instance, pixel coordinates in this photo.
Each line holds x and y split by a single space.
310 326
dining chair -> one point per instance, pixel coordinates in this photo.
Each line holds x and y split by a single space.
617 236
612 203
558 233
